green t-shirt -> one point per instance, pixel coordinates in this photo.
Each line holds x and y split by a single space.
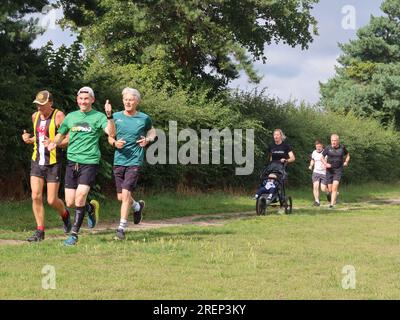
130 128
85 130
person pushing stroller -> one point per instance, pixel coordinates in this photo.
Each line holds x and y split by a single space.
272 187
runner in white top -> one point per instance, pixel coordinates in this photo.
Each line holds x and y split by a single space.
319 172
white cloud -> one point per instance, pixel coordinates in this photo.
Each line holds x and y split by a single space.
302 84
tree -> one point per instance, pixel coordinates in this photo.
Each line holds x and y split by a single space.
197 41
19 67
368 80
23 72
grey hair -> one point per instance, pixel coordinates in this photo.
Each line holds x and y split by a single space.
282 134
131 91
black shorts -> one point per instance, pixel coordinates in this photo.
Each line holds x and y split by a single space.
126 177
333 174
76 174
50 173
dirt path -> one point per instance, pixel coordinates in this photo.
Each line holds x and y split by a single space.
203 220
198 220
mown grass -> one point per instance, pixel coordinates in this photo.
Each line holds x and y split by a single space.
299 256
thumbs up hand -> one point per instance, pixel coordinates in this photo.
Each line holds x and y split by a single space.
108 108
26 136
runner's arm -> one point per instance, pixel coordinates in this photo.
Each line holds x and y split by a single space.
346 161
111 140
110 129
292 158
58 139
325 163
64 143
60 116
26 137
312 162
151 135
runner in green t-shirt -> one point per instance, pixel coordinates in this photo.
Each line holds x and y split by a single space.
134 131
85 128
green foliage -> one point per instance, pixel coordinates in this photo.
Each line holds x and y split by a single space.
23 72
63 75
374 151
368 82
196 42
20 69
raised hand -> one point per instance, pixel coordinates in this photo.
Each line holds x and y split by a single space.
108 108
26 136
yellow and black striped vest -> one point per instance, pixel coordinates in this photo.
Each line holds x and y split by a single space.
50 131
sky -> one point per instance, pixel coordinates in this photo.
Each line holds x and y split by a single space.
289 73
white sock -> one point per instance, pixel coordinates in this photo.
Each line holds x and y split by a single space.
123 224
136 206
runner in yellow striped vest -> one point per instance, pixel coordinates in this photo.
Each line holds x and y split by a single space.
45 165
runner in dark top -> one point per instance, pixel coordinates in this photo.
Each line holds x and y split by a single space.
280 151
337 158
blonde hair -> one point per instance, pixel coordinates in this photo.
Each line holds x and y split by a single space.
281 133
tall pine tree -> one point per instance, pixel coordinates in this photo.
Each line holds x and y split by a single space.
367 82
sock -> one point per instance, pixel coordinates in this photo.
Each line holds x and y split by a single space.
78 220
123 224
136 206
41 228
65 214
88 208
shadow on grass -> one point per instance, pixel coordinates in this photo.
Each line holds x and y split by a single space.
342 208
157 235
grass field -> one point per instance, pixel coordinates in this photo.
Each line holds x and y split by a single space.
299 256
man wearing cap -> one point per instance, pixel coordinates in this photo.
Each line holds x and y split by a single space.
134 130
45 164
85 128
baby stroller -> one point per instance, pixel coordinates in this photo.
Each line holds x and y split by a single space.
275 172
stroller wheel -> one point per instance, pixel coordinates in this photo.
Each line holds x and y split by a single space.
288 205
261 205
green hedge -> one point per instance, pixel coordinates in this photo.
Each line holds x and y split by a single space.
374 150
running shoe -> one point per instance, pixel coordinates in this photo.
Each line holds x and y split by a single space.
93 213
71 241
120 234
138 215
37 236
